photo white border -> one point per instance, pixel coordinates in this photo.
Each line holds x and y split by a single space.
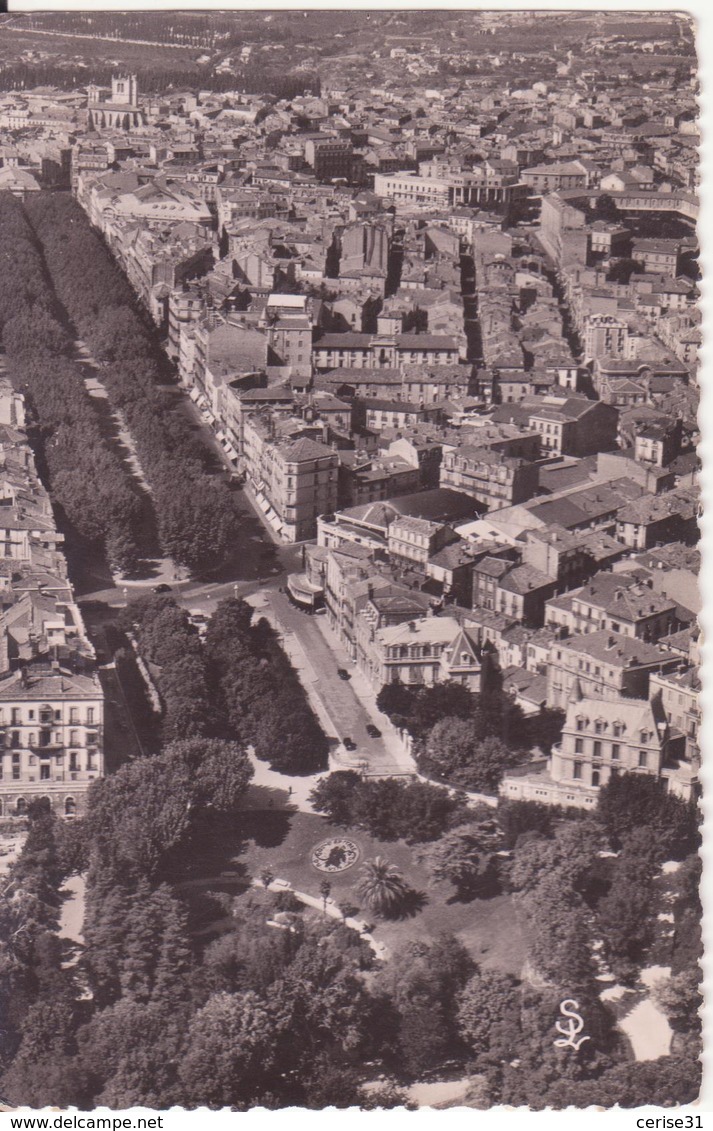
503 1118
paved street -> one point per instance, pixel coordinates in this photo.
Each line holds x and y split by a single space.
256 572
349 704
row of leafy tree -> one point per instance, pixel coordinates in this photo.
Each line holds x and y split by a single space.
21 75
170 644
238 684
197 514
85 477
264 702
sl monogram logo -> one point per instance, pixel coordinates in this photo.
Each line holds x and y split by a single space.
569 1009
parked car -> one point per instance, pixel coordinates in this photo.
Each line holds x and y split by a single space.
349 744
373 731
162 588
343 673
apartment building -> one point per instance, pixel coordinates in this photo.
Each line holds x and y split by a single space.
575 427
52 723
426 651
494 479
293 481
615 602
601 739
603 665
414 540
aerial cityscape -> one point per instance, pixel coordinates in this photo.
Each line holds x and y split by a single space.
349 654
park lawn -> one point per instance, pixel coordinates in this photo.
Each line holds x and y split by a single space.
282 842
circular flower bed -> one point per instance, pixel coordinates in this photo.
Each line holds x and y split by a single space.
335 854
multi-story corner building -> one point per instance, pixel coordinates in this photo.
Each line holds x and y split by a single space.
576 427
384 606
660 257
52 724
330 158
413 541
294 481
605 336
654 519
494 479
615 602
156 264
603 665
89 160
348 581
426 651
601 739
571 556
185 308
658 444
521 593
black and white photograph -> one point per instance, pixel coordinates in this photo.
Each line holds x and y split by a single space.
350 622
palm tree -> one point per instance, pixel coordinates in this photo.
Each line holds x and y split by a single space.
325 888
381 886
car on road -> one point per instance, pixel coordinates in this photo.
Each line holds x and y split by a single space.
373 731
343 673
162 588
349 744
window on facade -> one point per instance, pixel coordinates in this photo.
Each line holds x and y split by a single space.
643 758
579 746
617 730
615 751
15 716
577 771
597 749
598 727
44 772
